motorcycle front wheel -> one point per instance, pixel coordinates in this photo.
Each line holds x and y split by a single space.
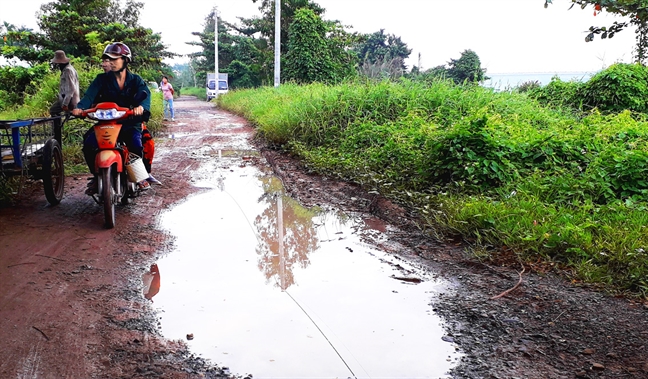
108 195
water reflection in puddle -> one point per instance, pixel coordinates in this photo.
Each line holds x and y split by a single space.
267 287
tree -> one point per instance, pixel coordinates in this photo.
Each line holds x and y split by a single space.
431 74
242 76
246 50
82 28
379 48
66 22
23 44
249 53
636 10
265 25
315 52
466 69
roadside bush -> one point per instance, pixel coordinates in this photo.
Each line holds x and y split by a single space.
619 87
498 168
529 86
558 93
199 92
15 81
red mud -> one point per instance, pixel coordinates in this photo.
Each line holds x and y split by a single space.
71 303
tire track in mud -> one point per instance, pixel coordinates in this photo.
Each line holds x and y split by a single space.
80 285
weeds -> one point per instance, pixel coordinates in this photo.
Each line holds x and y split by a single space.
498 168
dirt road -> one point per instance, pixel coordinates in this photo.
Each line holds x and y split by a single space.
71 303
70 290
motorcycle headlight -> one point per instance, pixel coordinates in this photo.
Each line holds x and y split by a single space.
106 114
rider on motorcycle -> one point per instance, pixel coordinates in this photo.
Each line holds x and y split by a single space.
120 86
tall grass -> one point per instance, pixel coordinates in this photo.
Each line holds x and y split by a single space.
497 168
199 92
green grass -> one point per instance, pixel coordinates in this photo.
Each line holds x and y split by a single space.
497 168
199 92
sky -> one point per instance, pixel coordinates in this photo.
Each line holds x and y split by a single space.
509 36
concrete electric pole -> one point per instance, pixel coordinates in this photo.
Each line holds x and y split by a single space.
277 61
216 48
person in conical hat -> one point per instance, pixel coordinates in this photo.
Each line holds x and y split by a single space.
68 95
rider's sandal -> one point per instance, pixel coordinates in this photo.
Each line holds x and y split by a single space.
151 179
92 187
143 185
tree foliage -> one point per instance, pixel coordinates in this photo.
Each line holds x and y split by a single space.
466 69
82 28
636 10
314 53
23 44
249 54
265 25
246 49
380 49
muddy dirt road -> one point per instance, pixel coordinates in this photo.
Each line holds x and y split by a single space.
71 303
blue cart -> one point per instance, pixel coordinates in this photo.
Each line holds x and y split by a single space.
32 149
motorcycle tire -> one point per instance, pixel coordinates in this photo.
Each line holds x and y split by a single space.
125 190
108 195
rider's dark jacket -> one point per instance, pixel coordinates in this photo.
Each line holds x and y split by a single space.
104 88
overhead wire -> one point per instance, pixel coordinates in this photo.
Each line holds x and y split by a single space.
289 295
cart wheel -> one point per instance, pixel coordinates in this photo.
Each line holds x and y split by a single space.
53 173
108 192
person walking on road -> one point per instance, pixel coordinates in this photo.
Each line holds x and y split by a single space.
68 95
167 92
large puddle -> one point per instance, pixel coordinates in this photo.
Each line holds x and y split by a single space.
261 285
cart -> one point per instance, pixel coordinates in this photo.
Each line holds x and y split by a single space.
32 149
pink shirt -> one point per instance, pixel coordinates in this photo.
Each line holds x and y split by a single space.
166 90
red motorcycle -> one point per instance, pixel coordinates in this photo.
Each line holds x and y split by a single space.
117 171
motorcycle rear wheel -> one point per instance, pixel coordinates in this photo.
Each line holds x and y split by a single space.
108 195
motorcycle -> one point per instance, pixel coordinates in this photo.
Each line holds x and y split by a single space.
117 172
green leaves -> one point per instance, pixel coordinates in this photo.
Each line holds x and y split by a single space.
497 168
313 56
466 69
635 10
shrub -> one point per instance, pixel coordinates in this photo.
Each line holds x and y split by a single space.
494 167
558 94
15 81
619 87
529 86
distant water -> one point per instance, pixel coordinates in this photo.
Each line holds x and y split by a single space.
504 81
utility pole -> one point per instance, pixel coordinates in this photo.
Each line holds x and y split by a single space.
277 61
216 48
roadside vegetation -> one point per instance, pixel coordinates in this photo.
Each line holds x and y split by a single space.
551 175
199 92
521 176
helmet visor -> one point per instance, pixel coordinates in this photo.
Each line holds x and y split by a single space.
116 50
110 56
